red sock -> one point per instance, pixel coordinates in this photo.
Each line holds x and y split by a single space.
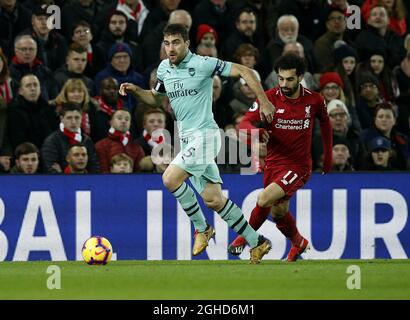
258 217
287 225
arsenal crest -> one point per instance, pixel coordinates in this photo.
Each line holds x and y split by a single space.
191 71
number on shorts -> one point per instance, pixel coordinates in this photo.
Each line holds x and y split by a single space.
289 177
188 153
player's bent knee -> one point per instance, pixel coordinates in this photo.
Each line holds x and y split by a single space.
264 200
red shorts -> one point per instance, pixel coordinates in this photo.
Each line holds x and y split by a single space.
290 179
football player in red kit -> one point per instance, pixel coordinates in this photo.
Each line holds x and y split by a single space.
288 163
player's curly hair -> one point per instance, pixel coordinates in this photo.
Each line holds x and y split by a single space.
290 61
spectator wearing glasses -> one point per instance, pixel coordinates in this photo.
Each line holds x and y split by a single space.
14 18
119 67
77 10
82 35
369 96
332 87
325 46
340 121
25 62
52 47
375 63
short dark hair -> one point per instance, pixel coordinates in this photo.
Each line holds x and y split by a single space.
70 106
117 13
25 148
245 10
80 23
118 110
77 144
175 29
75 47
290 61
385 106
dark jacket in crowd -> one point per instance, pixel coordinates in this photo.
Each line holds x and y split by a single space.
223 22
73 13
131 76
44 75
107 40
62 75
369 40
399 144
55 148
30 122
11 25
51 52
5 145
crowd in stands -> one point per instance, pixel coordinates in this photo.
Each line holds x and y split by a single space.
60 111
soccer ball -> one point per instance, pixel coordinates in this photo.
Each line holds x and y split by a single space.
97 250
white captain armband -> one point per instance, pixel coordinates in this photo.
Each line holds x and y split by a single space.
160 87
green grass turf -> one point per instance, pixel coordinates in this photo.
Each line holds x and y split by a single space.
314 279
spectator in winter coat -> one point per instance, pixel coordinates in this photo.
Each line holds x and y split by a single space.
55 147
119 67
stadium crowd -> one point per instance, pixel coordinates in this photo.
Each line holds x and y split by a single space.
60 111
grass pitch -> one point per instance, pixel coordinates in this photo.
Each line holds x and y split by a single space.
228 280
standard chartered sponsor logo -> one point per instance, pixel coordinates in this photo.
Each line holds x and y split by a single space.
291 124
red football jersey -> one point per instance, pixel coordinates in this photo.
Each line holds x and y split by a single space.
290 133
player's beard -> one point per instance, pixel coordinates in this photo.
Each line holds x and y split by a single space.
289 91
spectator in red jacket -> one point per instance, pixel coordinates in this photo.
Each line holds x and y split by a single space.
119 140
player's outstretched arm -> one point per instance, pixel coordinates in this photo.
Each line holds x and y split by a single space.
266 108
146 96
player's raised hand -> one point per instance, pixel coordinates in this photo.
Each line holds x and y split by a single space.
126 88
266 110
